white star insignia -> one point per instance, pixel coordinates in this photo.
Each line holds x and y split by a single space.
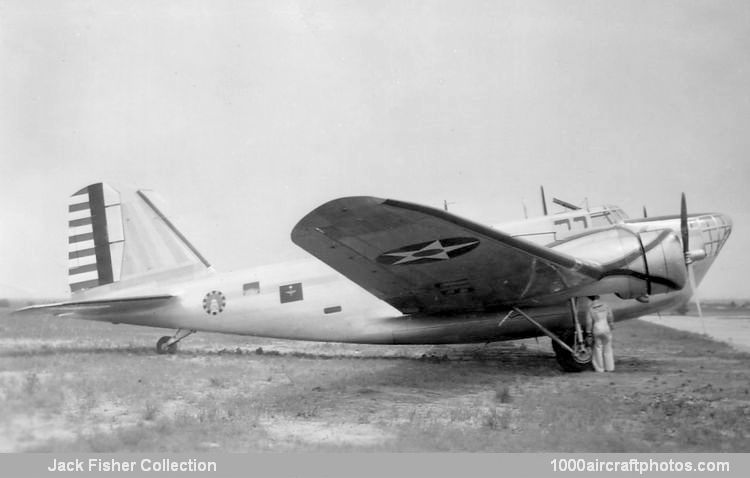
434 251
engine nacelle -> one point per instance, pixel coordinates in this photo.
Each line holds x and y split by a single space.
636 264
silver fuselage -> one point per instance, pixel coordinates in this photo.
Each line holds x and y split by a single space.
337 310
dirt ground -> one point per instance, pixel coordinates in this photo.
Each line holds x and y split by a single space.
70 386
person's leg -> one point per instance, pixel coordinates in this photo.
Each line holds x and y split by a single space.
597 358
609 355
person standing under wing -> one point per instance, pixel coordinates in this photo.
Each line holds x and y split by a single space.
600 323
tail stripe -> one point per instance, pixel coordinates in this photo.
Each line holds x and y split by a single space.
81 237
83 213
80 222
82 267
82 261
81 253
93 215
87 268
80 246
76 230
78 207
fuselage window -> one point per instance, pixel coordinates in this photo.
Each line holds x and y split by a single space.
579 223
332 310
251 288
562 224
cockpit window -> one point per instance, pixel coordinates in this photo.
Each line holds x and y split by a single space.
562 225
579 223
600 220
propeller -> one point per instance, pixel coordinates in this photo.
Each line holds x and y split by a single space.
690 256
684 228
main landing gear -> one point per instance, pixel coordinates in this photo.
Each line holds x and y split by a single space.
576 357
572 351
168 345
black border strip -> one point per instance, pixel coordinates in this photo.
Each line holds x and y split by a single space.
101 236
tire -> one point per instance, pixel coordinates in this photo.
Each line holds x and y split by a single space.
162 347
568 362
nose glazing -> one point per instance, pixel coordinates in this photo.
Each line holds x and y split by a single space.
715 229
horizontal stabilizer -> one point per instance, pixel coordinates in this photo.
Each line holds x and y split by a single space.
128 305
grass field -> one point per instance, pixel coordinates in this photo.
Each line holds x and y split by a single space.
68 385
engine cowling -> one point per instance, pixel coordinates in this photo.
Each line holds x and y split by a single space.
636 263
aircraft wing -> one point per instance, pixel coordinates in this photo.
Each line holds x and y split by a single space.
131 305
424 260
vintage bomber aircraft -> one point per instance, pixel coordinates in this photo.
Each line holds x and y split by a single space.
389 272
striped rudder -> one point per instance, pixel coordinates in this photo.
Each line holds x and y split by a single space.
123 238
95 238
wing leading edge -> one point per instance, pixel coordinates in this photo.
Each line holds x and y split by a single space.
425 260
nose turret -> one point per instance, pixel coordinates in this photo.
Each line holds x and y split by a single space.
714 231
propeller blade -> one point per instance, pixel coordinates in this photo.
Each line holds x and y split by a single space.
684 226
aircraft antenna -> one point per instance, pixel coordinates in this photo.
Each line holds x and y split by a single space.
544 201
565 204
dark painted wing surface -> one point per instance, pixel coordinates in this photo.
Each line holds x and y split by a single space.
421 259
132 305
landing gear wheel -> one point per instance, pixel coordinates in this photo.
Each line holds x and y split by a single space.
164 347
577 362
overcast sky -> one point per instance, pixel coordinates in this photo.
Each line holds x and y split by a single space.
246 115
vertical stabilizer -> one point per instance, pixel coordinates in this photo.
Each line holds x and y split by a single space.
123 236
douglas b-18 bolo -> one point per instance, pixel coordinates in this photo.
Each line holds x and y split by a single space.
387 272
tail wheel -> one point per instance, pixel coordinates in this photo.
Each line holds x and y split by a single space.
164 347
569 362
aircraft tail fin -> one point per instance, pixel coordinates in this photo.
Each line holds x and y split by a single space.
121 236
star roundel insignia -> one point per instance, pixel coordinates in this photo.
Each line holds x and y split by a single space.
214 302
432 251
